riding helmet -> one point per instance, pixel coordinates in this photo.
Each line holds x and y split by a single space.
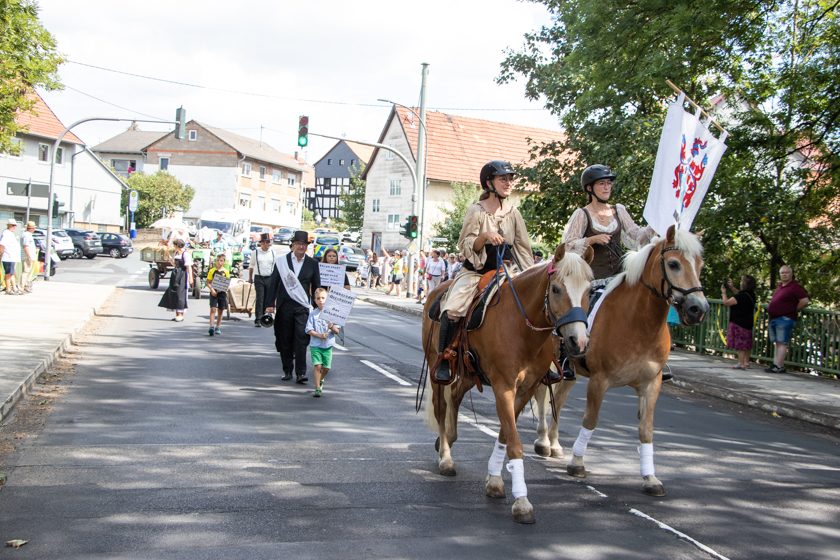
595 173
494 169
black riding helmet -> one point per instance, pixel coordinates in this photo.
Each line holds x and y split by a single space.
591 175
494 169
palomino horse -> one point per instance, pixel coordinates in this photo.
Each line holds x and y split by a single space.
514 356
629 344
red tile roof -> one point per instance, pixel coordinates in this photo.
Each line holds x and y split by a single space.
41 121
457 147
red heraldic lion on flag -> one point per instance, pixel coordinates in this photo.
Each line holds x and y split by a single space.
686 161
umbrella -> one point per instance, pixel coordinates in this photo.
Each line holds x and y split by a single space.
170 223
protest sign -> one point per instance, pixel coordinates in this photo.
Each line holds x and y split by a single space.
332 274
338 305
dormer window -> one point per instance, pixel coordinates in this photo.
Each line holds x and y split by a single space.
193 135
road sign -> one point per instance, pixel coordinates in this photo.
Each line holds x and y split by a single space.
132 201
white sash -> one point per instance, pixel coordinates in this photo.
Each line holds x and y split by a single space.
291 283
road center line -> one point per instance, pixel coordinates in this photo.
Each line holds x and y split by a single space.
680 534
387 374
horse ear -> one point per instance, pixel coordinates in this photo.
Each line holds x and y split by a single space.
559 252
589 254
669 235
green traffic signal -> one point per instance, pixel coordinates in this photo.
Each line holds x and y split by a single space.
303 131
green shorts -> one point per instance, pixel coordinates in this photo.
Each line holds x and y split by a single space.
321 356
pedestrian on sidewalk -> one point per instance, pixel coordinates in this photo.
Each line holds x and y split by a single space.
180 279
375 270
396 273
259 274
10 249
30 257
293 283
218 298
321 341
786 302
741 306
435 270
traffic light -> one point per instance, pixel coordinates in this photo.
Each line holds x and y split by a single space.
55 205
412 227
180 123
303 131
405 230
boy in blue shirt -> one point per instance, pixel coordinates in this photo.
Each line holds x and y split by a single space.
321 340
218 299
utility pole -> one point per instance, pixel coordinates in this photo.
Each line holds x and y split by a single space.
421 157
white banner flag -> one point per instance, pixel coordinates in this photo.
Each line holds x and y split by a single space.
686 161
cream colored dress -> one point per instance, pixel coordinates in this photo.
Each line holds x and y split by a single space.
477 220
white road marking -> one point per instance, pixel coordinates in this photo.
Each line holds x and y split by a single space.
680 534
387 374
596 491
339 346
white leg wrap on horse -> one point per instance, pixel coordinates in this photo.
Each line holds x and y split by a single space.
497 459
582 441
516 468
646 459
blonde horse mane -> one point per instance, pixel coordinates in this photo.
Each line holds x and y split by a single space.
634 261
573 264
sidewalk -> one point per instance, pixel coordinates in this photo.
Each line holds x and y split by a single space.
800 396
40 326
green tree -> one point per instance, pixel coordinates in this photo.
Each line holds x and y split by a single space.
353 201
464 194
602 66
28 58
159 195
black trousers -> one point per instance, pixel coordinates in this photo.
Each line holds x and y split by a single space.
261 287
290 336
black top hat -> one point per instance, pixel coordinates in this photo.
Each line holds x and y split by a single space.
300 236
265 237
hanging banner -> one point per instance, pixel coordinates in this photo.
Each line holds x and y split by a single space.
686 161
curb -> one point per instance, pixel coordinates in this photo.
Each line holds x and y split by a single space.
396 307
23 389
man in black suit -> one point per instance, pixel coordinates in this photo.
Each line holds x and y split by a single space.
292 285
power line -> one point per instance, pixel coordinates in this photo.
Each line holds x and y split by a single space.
114 104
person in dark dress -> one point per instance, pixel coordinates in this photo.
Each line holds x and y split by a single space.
175 296
291 289
741 306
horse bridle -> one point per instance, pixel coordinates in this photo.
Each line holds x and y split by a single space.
671 288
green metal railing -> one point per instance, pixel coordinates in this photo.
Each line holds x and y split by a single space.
815 344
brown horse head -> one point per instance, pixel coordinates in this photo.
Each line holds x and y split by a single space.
670 268
568 298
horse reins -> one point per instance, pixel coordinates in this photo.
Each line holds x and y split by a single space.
671 288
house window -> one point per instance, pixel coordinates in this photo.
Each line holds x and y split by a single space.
261 203
164 163
275 205
124 167
291 180
341 162
388 153
275 175
193 135
44 152
291 208
375 205
352 162
396 187
245 200
329 161
246 168
262 172
393 222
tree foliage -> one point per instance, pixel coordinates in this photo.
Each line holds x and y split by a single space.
601 68
28 58
353 201
158 195
464 194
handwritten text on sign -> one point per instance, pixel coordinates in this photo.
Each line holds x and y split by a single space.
338 305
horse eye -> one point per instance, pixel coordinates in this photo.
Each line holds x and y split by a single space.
674 265
555 290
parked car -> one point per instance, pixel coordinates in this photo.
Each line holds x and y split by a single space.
350 256
116 244
324 242
283 236
86 243
61 242
350 236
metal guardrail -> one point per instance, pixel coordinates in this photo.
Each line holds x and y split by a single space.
815 344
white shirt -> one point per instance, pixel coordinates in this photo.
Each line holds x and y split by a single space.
11 246
434 267
263 262
297 264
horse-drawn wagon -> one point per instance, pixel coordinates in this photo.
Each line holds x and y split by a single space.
161 266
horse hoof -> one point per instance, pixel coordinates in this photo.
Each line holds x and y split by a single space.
494 486
652 487
542 450
577 471
523 511
447 468
437 444
557 453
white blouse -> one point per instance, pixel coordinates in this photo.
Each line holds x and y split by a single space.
632 235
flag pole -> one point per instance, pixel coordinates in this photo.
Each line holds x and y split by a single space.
691 102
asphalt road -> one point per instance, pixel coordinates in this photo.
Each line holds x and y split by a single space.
171 444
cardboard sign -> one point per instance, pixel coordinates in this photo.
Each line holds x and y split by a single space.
332 274
338 305
220 282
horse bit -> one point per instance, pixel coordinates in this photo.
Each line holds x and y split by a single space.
669 295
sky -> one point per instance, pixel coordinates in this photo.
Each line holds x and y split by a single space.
260 64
